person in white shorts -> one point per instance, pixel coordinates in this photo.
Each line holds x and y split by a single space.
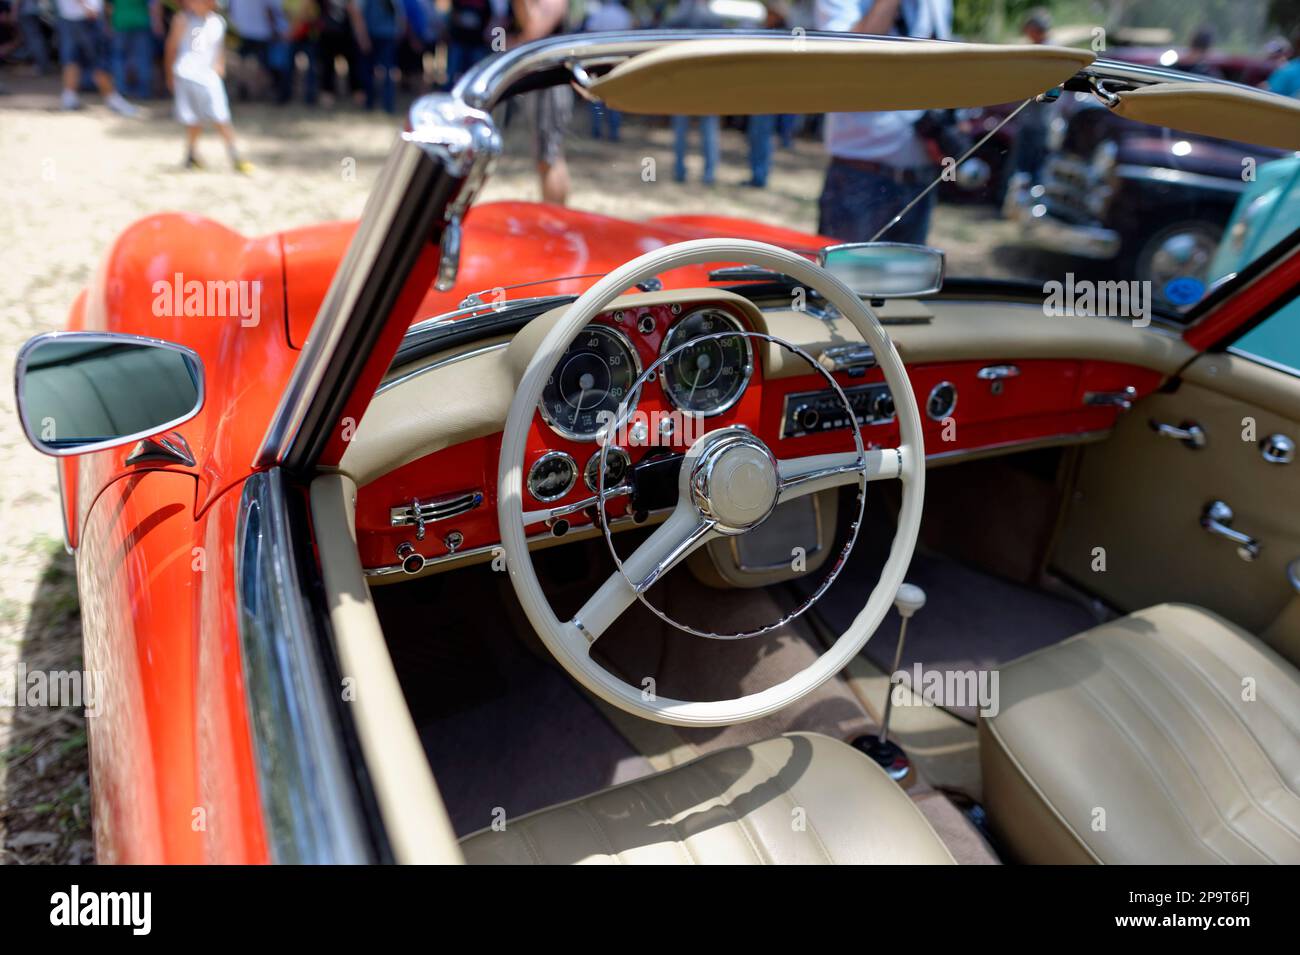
195 64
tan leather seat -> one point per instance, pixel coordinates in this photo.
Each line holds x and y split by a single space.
799 798
1168 736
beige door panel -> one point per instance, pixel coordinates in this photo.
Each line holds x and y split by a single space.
1140 496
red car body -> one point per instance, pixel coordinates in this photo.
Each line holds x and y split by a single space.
172 758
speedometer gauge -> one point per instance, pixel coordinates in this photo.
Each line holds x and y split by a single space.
706 377
589 382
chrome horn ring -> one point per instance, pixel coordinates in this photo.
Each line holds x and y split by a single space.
708 451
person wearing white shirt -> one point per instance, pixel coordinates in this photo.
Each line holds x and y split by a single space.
879 162
83 41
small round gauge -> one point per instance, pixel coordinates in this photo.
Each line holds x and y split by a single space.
589 382
552 476
617 464
942 401
709 376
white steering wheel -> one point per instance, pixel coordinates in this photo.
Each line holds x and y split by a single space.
730 482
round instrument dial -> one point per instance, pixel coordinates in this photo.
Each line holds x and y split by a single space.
552 476
589 382
942 401
617 464
707 376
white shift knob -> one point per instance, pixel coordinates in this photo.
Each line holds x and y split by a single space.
909 599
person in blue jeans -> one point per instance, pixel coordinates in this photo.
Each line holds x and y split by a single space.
760 132
708 144
879 161
29 19
136 24
378 25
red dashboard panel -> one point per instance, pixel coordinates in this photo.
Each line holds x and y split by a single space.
1039 398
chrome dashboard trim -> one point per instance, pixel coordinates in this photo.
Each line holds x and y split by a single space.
588 532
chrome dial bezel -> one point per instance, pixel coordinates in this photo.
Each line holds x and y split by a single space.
623 340
670 342
589 479
549 456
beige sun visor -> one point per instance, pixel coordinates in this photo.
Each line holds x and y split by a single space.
1213 109
811 75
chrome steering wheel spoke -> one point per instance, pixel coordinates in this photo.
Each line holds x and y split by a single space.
676 538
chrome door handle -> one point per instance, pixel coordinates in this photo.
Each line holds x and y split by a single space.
1122 399
1217 519
1189 432
998 372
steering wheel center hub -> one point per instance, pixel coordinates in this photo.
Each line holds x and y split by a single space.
735 483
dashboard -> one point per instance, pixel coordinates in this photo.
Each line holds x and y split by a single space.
704 359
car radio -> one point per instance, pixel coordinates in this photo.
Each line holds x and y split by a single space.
810 412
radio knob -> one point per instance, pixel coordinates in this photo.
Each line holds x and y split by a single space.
807 416
882 406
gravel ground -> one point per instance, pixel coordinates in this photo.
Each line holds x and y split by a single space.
75 180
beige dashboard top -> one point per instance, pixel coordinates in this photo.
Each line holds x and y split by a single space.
457 399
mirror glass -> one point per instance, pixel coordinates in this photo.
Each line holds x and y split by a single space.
885 269
84 391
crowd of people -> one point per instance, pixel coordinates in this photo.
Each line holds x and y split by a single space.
324 50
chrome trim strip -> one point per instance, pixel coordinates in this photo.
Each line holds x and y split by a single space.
1261 360
440 363
1178 177
310 803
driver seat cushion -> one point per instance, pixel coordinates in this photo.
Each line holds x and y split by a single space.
1167 736
798 798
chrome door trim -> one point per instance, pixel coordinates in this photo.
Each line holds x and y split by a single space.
311 805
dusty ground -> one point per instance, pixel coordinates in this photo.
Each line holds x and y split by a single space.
73 181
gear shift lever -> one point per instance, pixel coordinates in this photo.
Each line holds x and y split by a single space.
909 599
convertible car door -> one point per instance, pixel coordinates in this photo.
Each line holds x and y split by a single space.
1138 528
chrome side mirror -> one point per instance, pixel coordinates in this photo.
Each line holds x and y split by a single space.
86 391
885 269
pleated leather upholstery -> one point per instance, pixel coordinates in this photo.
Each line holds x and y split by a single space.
1168 736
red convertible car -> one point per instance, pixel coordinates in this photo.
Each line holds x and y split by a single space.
505 532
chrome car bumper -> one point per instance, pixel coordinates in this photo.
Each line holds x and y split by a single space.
1026 205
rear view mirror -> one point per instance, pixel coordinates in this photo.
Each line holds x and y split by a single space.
86 391
885 269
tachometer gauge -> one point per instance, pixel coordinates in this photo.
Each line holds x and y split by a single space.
709 376
589 383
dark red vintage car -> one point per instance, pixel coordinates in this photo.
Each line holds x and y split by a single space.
504 532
